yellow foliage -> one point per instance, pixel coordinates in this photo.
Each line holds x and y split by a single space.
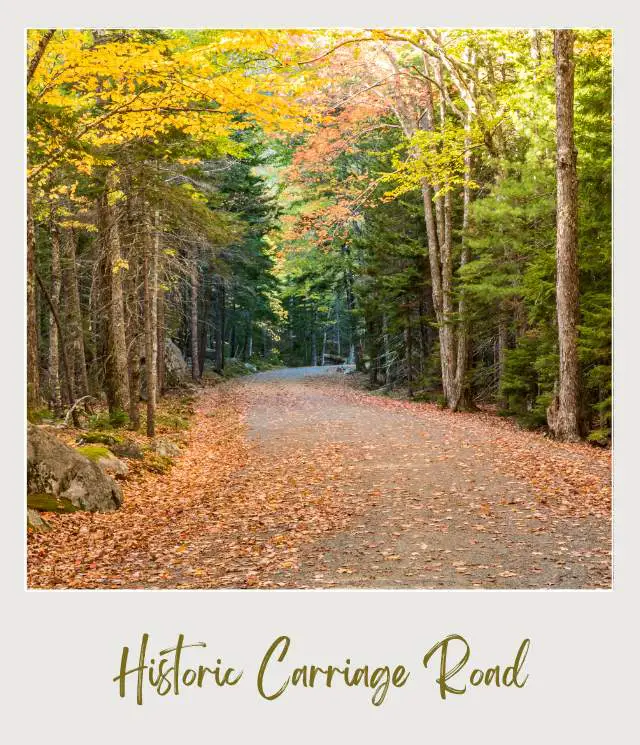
95 91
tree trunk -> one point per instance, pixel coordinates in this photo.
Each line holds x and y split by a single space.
232 335
134 337
219 325
54 342
314 347
116 376
437 221
162 335
388 378
68 378
567 418
73 312
33 363
373 341
151 319
462 388
502 346
203 321
193 315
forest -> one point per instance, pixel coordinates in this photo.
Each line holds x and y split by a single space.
428 211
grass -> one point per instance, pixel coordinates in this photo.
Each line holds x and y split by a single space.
171 421
105 421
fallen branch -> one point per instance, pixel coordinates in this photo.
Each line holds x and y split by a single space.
73 408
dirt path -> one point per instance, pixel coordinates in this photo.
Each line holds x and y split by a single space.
433 503
294 479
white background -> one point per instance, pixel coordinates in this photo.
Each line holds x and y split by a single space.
60 650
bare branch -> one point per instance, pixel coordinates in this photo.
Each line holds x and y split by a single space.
42 46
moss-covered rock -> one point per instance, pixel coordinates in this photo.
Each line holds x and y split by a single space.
59 471
101 438
158 463
94 452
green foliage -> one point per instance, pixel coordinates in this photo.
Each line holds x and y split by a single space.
234 368
106 421
39 415
527 383
437 156
172 421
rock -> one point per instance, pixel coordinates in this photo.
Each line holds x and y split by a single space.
158 463
165 448
176 372
98 438
36 523
113 466
128 449
61 472
250 367
105 459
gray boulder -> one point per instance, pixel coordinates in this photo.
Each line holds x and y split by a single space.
176 372
36 523
55 469
165 448
113 466
127 449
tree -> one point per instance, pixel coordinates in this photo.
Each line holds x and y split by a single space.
379 196
564 416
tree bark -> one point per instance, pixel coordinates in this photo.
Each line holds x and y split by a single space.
33 362
73 312
567 416
54 341
219 325
152 240
438 224
388 377
462 389
134 337
502 345
116 378
193 307
314 346
38 54
68 378
162 335
203 321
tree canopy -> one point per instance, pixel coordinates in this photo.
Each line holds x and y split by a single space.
382 197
